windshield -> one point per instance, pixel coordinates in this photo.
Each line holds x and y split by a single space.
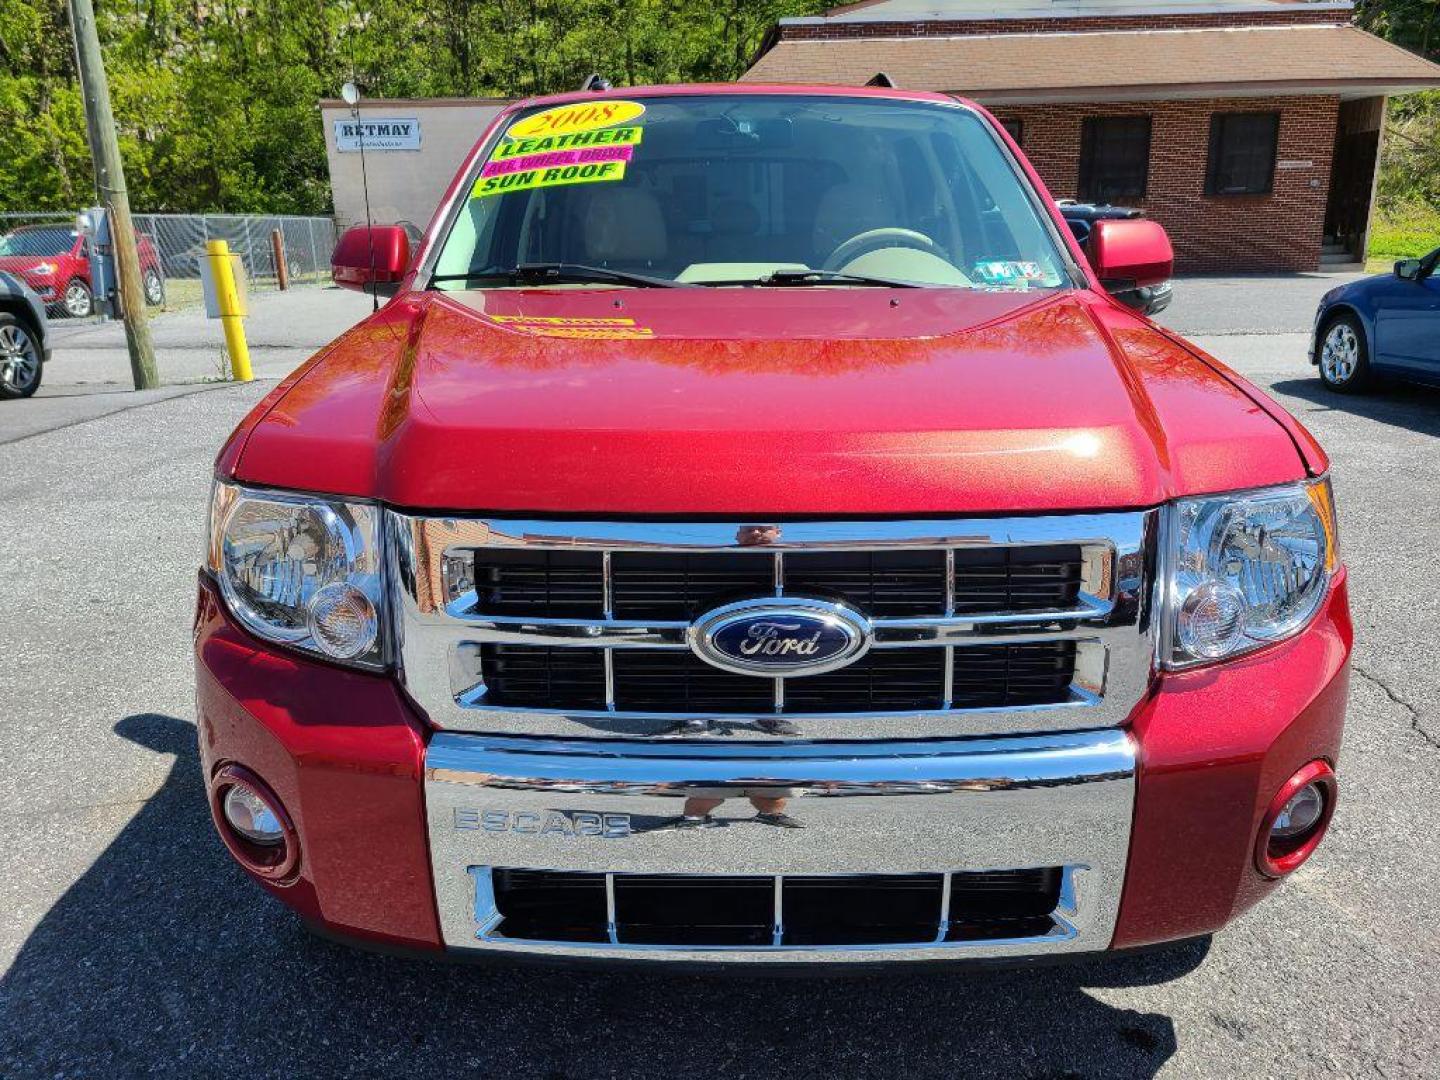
37 242
750 190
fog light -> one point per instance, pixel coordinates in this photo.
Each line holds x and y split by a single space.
252 817
1299 814
254 825
1212 619
343 621
1296 820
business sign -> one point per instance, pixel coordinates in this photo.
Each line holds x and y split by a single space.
378 133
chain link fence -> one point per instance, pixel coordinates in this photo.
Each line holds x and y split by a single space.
46 251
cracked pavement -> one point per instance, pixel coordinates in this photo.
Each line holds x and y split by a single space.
1417 720
130 945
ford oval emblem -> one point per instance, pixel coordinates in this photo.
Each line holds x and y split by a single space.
775 637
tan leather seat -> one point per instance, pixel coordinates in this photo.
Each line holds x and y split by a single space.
849 209
623 225
734 224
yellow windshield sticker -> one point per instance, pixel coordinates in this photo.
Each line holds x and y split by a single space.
576 117
570 157
555 144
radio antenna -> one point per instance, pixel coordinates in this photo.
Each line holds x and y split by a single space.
351 95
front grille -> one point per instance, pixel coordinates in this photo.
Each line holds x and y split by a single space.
654 680
679 586
539 584
540 677
797 911
675 680
997 676
537 627
1004 579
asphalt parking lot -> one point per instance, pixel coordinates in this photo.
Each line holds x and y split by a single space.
130 944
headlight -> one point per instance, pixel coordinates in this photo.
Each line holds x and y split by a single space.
1245 570
301 570
44 269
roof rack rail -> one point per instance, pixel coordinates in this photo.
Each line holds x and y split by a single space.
881 79
595 82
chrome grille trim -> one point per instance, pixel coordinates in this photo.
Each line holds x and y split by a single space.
875 807
889 633
440 633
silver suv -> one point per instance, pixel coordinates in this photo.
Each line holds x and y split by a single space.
24 338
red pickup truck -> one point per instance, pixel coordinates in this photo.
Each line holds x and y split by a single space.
751 534
54 260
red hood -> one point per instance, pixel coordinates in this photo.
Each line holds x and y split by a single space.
761 401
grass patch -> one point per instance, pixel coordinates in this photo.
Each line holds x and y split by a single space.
185 293
1407 231
182 293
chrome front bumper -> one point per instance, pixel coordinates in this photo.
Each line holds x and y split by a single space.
936 807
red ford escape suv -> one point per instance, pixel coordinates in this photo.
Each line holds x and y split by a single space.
751 534
54 260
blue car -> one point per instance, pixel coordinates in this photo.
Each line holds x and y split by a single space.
1387 325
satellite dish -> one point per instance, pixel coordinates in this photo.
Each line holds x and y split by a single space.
350 94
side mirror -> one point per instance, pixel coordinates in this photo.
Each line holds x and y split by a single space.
1408 269
371 259
1130 253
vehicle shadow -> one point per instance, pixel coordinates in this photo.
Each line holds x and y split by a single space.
1403 405
163 959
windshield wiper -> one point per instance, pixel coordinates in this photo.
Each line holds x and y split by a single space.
800 278
543 273
827 277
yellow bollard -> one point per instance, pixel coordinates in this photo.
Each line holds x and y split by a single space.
232 308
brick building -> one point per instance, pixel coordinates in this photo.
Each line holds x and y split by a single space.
1249 128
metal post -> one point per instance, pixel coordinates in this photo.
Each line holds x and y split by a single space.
110 179
227 298
282 269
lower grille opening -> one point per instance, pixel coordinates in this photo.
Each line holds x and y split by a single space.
742 911
552 905
998 904
664 909
867 909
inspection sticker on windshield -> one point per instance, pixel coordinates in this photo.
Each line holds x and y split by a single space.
570 145
1008 272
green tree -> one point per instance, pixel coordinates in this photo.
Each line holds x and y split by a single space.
1408 192
216 99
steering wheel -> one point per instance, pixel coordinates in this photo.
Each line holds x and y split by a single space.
874 239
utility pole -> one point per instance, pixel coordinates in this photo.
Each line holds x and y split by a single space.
110 179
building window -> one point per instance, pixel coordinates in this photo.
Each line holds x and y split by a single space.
1242 153
1015 129
1114 158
